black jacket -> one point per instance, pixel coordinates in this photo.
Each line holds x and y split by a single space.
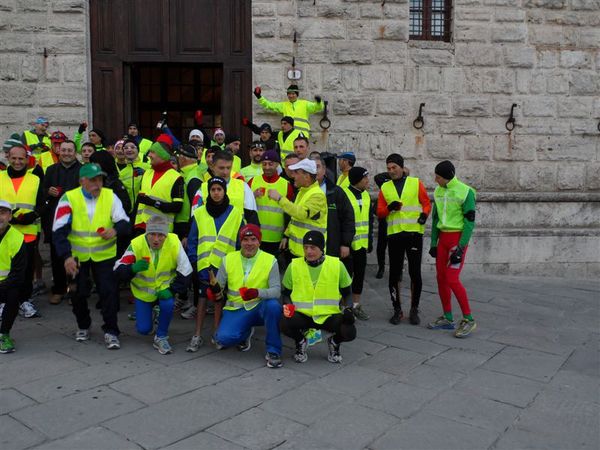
66 178
340 219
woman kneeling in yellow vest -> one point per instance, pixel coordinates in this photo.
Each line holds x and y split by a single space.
312 289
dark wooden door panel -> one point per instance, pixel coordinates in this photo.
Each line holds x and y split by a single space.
148 28
194 26
107 98
104 21
239 44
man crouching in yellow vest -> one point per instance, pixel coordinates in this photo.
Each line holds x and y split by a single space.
158 267
315 284
250 278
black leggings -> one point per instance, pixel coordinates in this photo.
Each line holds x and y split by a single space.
10 297
296 325
359 265
410 244
381 242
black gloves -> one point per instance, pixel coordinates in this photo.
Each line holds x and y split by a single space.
82 127
145 200
433 252
422 219
394 206
318 98
25 219
348 316
456 256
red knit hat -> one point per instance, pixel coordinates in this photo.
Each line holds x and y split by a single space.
250 230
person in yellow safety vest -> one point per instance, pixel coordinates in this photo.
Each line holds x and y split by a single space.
403 200
296 108
286 136
37 138
87 222
157 267
188 168
271 216
23 188
362 243
131 170
13 265
133 133
250 280
316 294
213 235
346 161
233 144
161 190
95 136
309 209
301 147
238 191
453 221
257 149
46 159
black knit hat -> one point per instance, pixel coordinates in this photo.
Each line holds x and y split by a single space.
445 169
217 180
288 119
187 150
396 159
293 88
316 238
266 126
356 174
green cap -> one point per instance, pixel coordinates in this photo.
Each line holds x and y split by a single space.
13 141
160 150
90 170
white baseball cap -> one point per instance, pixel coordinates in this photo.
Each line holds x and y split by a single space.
5 204
308 165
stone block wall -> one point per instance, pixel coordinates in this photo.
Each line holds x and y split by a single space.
543 55
43 64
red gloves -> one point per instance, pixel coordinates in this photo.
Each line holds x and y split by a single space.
198 117
100 230
245 121
289 310
257 91
248 293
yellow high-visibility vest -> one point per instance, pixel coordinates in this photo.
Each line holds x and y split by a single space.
270 214
297 228
258 278
235 192
406 218
9 246
160 274
160 191
85 241
361 218
23 200
319 300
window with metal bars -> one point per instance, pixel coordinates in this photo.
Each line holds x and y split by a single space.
430 20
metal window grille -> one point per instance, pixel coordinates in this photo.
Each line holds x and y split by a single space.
430 20
179 89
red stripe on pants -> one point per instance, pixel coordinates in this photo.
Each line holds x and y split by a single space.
448 277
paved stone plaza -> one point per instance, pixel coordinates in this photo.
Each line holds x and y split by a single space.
528 378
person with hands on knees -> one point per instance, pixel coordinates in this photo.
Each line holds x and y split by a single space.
452 227
213 235
404 203
312 288
87 222
250 277
296 108
157 267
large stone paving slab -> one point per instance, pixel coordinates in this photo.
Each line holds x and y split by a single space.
12 400
16 436
526 363
63 416
96 438
398 399
203 441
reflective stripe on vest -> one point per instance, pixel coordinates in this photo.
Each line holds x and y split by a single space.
319 300
9 246
298 228
361 217
406 218
448 204
258 278
24 199
159 275
85 242
212 247
270 214
160 191
235 192
131 182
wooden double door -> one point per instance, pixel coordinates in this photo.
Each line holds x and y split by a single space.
149 56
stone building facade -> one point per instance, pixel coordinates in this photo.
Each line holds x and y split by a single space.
538 186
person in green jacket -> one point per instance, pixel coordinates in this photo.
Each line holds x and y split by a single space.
296 108
453 224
